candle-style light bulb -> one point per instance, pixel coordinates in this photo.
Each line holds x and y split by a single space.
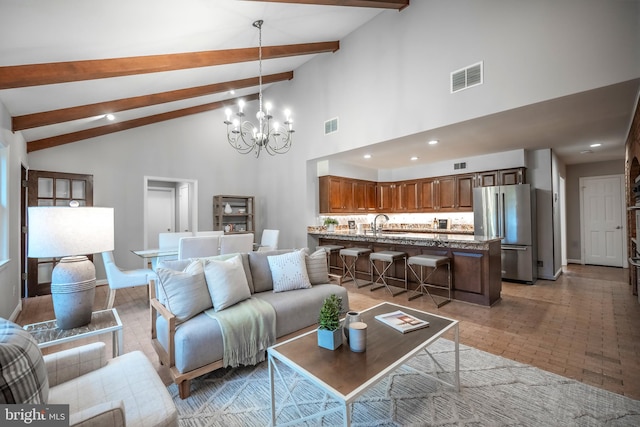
287 114
268 107
241 105
236 123
228 113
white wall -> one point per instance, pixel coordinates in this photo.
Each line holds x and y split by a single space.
389 79
10 272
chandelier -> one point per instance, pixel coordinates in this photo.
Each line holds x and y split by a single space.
246 137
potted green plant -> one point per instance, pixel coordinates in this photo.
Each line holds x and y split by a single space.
330 223
329 330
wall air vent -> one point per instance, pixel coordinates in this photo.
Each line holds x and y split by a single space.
331 126
461 165
467 77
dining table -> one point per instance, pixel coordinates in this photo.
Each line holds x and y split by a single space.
151 256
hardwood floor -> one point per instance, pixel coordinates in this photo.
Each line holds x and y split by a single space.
585 325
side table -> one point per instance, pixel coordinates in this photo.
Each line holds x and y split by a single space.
48 334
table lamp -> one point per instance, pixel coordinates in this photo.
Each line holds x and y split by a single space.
71 233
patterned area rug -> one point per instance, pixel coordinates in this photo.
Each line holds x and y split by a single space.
494 392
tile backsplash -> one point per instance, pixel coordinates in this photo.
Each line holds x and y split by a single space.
462 221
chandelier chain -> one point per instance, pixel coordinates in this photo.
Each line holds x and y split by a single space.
246 137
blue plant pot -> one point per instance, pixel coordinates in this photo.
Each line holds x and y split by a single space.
330 339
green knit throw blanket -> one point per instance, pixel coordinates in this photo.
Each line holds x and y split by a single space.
248 328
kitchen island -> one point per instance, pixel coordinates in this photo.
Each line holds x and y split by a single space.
475 260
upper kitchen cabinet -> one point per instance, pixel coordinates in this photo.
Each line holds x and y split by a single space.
464 189
364 196
406 196
447 194
346 195
501 177
385 196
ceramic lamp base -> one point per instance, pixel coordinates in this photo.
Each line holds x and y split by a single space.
73 290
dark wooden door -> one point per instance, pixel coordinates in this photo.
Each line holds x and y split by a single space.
51 189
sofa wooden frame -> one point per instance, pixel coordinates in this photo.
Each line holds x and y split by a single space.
167 357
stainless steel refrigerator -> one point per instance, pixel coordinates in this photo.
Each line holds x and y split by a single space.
508 211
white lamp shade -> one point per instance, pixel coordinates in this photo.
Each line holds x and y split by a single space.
67 231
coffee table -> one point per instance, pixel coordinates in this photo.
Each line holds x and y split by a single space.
48 334
345 375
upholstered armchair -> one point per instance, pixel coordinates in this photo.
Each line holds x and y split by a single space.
124 391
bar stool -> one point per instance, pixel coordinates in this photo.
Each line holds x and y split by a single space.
349 268
388 258
434 262
330 250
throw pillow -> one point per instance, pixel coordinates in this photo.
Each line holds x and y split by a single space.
185 292
260 271
317 267
23 374
288 271
226 282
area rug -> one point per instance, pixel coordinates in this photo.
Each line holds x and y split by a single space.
494 392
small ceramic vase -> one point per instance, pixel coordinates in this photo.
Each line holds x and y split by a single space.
227 209
352 316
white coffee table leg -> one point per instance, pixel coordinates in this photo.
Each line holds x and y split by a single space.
273 395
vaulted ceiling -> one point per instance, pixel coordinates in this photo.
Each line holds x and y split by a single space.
66 64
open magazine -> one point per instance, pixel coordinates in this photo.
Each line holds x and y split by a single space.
402 321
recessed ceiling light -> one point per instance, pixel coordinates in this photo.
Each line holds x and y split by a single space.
433 142
414 158
110 117
586 152
367 156
232 92
595 145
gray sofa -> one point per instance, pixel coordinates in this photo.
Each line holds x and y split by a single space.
195 347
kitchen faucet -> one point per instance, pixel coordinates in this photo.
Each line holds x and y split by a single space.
375 220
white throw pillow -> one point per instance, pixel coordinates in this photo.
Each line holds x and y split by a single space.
288 271
317 267
227 282
184 292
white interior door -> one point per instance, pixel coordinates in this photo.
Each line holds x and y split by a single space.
161 214
183 208
602 224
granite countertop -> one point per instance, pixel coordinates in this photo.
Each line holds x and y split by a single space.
415 239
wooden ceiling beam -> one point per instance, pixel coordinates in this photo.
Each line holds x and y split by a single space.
15 76
29 121
382 4
54 141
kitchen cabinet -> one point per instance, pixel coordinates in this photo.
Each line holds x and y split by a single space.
364 196
464 189
501 177
241 219
447 194
384 196
453 193
346 195
406 196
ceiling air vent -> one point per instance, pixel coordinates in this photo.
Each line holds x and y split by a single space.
331 126
466 77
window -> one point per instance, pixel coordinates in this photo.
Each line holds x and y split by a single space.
4 205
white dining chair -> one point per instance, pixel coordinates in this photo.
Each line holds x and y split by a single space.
198 246
236 243
209 233
118 279
270 239
169 241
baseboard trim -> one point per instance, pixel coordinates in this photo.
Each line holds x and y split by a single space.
16 312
